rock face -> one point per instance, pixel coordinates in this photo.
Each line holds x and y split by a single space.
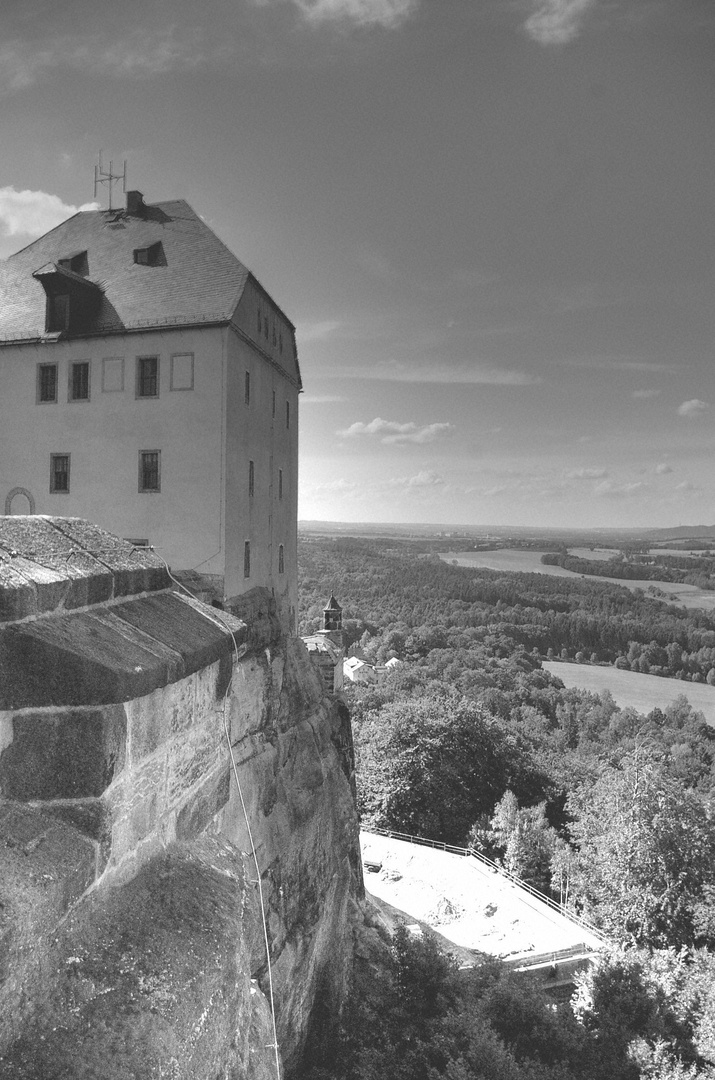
159 759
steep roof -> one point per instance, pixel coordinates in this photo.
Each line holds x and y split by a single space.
196 279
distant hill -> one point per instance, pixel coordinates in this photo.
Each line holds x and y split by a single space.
684 532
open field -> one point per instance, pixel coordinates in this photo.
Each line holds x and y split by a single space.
632 688
529 562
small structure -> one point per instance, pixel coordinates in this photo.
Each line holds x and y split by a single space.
327 647
359 671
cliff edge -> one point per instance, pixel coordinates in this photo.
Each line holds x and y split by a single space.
158 760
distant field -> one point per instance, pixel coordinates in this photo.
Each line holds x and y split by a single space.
598 554
529 562
631 688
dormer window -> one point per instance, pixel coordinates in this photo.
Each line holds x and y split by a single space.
77 263
58 313
150 256
72 299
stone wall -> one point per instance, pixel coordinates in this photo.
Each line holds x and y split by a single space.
129 901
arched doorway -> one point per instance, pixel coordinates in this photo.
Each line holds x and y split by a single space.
19 501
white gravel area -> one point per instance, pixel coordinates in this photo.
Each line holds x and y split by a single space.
465 901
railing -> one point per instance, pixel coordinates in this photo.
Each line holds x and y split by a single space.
495 868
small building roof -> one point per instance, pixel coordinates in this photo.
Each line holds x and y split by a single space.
332 604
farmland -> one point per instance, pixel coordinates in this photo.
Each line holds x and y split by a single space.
528 561
633 689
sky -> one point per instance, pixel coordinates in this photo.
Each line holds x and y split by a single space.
491 222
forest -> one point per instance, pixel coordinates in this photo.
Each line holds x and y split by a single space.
470 741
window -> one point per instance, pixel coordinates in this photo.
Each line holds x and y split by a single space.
60 474
251 478
274 405
247 558
259 320
147 376
287 414
79 381
182 371
150 256
47 382
281 560
275 339
265 327
280 483
58 313
77 263
280 343
247 389
150 470
112 374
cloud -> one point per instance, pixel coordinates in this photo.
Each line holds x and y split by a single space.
694 407
341 485
143 52
609 489
387 13
687 485
586 474
663 468
644 395
32 213
316 331
425 479
556 22
439 372
391 433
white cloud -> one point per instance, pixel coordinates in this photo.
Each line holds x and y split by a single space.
391 432
387 13
32 213
586 474
694 407
687 485
143 52
341 485
427 478
663 468
556 22
618 491
439 372
644 395
316 331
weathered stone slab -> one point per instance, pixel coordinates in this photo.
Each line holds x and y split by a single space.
176 624
68 754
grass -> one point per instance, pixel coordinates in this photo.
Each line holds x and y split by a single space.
632 688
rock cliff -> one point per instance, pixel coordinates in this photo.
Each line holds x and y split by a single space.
157 759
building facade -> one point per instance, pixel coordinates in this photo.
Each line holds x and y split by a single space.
150 384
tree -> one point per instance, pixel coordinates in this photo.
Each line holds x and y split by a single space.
431 765
525 840
646 852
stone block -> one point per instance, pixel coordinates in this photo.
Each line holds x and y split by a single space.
67 754
90 817
75 660
156 718
197 638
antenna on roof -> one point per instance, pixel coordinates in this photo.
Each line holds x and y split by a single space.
109 178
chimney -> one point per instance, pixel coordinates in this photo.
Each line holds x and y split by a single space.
135 203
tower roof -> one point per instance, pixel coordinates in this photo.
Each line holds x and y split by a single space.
332 604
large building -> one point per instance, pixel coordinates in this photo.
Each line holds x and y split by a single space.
149 383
